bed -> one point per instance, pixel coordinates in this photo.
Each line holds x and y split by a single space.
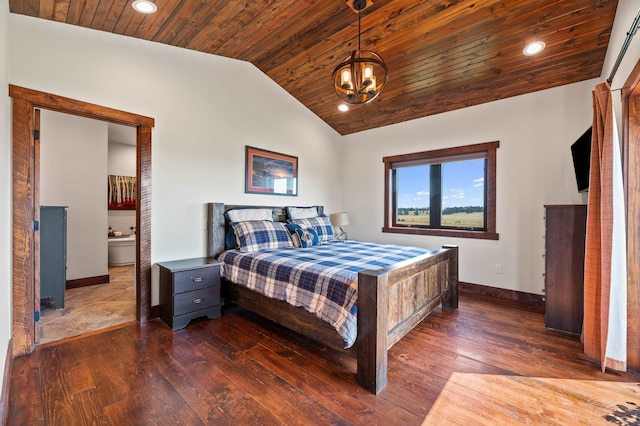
391 300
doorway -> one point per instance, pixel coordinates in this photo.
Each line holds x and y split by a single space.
26 204
86 275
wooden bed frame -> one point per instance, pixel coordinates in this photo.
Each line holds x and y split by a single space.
391 301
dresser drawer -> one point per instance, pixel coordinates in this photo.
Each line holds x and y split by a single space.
196 278
191 301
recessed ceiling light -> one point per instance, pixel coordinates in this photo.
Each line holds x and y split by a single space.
144 6
534 48
343 107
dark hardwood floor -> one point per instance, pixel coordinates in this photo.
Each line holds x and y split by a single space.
241 369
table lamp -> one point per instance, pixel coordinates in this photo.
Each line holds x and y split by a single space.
338 220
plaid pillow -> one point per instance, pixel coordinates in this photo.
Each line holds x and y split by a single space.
242 214
320 224
256 235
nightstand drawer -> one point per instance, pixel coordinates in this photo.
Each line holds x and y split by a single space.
195 279
181 321
196 300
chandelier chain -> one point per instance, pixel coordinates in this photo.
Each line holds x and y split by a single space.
359 13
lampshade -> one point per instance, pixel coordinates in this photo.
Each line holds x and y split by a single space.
339 219
360 77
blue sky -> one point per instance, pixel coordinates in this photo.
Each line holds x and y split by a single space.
462 181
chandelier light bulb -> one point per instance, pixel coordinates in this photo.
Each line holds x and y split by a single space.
367 75
371 87
346 79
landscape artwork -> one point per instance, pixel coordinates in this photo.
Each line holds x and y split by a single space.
121 192
269 172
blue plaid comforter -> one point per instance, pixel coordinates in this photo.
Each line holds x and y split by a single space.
321 279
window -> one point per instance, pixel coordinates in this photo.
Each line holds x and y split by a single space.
447 192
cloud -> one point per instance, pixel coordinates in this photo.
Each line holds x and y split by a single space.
423 193
457 193
477 183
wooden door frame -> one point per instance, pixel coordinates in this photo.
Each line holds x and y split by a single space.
631 172
24 102
36 217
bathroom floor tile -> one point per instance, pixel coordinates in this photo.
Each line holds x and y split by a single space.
91 308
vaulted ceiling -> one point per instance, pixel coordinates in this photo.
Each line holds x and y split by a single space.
442 54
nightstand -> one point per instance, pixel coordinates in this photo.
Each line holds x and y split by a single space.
189 289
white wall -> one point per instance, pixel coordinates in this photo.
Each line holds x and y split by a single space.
5 190
73 173
207 108
121 159
534 168
122 162
625 14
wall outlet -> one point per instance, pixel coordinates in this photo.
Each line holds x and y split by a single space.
498 268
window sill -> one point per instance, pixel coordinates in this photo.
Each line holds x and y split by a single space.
479 235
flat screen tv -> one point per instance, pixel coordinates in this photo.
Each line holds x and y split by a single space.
581 153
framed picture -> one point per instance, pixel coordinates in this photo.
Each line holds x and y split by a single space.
121 192
268 172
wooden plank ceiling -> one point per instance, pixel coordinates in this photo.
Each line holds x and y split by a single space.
442 54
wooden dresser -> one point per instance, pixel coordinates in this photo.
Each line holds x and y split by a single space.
564 267
189 289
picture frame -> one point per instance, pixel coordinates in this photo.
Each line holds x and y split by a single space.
121 192
271 173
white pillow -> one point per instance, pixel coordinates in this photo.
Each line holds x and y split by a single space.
241 215
302 212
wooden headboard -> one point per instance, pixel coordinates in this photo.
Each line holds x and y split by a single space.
217 226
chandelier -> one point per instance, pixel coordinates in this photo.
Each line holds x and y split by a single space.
360 77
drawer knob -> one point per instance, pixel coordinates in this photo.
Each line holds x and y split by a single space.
197 279
198 300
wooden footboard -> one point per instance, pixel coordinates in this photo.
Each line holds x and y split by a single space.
391 301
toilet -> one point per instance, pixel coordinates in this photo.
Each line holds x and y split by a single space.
122 250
